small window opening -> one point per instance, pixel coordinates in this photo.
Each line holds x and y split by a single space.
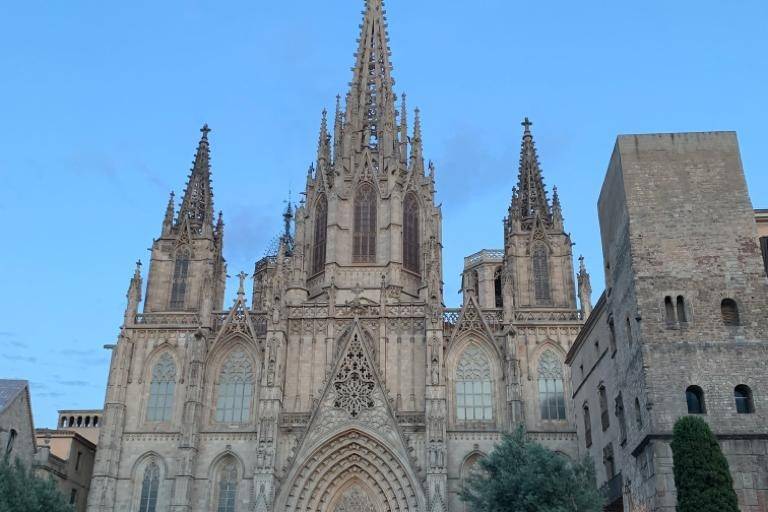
694 396
730 312
743 396
681 315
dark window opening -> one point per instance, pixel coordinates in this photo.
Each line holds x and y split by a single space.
411 233
321 230
587 427
682 317
608 462
743 396
364 232
622 419
669 311
764 248
730 312
605 419
541 274
497 289
11 438
694 396
179 286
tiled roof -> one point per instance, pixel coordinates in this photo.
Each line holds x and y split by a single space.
9 389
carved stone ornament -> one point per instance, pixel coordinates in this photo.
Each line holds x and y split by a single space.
354 383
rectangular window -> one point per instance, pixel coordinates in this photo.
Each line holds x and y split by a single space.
77 461
764 248
73 497
605 419
622 419
608 462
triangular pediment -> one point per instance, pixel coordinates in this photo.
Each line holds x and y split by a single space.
353 398
471 320
238 322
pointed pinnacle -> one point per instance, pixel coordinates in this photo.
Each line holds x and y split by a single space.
137 272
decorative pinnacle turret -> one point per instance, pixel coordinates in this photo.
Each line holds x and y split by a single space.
323 141
169 211
417 161
197 205
585 289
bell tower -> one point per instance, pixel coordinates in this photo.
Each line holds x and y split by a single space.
538 260
187 270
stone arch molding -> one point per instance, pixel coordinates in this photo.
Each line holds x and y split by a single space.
352 467
352 442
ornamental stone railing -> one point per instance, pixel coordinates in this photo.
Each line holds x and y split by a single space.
167 319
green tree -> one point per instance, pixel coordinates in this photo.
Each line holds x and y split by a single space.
702 478
523 476
22 491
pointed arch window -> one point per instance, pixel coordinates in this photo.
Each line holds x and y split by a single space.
321 234
149 487
227 488
411 233
179 285
161 388
551 391
364 233
474 395
235 394
541 274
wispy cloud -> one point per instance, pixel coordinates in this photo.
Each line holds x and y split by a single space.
25 359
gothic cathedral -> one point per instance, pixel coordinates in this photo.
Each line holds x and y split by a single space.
342 384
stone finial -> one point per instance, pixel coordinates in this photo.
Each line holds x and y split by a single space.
241 287
585 289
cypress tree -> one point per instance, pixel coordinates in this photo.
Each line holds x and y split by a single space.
702 478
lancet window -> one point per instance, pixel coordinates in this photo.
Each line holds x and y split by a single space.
474 395
227 488
149 488
235 389
551 391
541 274
161 388
179 284
321 233
411 233
364 233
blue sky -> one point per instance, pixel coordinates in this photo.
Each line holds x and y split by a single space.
101 102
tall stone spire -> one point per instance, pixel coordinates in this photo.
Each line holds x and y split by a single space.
371 102
197 205
531 195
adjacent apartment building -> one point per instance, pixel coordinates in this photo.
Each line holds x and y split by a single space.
682 327
66 454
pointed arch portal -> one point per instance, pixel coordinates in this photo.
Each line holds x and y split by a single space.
352 472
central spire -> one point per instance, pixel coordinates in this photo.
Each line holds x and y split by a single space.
370 103
531 196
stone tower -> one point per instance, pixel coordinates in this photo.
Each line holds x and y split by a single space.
520 312
682 327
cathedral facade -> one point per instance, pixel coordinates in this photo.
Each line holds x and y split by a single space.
341 383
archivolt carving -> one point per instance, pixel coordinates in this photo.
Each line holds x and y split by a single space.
352 456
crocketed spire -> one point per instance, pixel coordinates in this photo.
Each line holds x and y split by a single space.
531 200
370 103
197 205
